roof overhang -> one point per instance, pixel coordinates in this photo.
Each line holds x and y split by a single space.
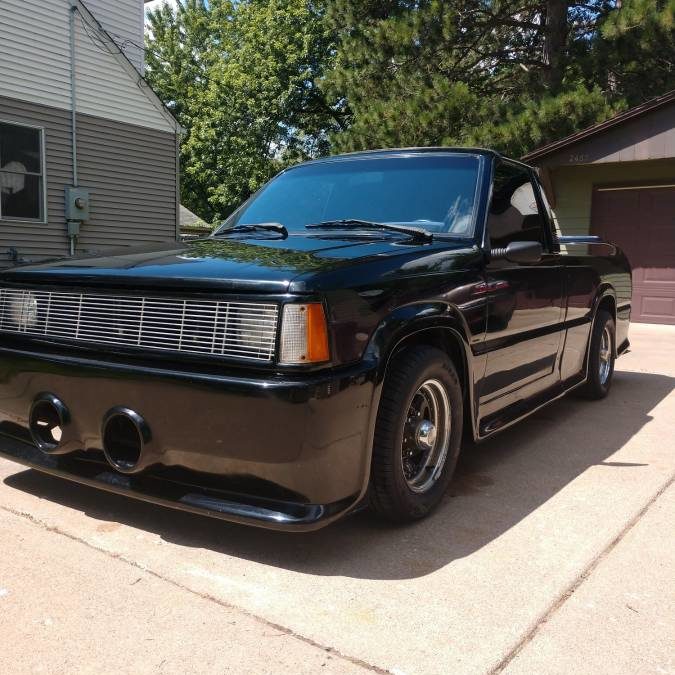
586 134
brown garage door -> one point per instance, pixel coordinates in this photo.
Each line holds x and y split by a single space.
641 220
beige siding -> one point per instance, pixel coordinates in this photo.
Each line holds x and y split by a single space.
574 187
35 63
130 170
574 191
34 57
108 86
123 19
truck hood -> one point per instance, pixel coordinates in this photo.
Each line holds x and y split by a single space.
248 263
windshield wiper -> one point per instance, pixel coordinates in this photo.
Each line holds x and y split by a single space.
253 227
418 233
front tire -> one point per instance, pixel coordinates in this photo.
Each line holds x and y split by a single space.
600 357
417 434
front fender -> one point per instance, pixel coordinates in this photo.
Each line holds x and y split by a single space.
406 321
409 323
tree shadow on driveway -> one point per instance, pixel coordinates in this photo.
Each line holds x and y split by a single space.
498 484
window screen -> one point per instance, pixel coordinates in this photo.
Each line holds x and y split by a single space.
21 173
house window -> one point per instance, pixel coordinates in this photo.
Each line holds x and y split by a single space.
21 173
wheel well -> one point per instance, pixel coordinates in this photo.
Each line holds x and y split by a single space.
445 340
609 304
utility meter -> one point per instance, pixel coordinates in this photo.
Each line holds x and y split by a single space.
77 204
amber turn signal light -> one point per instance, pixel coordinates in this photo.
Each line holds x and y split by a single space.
304 334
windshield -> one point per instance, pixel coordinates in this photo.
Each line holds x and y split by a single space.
435 192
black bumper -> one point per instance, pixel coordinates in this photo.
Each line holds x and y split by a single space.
288 454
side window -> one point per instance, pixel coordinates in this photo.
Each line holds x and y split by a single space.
21 173
514 215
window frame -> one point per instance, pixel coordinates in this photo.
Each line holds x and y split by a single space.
545 207
534 181
43 175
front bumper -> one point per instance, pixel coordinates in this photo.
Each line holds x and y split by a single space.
284 453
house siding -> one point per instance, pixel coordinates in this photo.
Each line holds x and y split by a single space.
647 137
35 63
130 170
41 240
35 68
108 86
123 20
574 194
573 187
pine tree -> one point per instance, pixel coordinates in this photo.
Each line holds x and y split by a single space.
636 49
507 74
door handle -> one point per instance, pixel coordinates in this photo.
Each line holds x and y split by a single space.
491 286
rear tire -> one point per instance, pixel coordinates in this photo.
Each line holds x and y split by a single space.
417 434
600 357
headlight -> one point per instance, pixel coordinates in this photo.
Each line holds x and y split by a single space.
304 334
23 310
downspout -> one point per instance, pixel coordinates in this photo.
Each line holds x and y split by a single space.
73 118
178 134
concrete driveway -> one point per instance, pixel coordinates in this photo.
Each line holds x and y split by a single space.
554 552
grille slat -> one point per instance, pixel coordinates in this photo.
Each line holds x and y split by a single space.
229 329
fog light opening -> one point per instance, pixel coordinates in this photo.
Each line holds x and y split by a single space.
46 425
122 442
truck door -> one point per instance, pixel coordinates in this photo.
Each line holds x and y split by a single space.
525 301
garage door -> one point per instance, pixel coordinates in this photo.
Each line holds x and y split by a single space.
641 220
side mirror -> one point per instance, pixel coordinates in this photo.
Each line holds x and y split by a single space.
519 252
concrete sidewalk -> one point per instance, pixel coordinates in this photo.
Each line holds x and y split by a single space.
552 552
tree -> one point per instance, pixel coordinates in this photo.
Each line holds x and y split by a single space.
506 73
636 49
259 84
241 78
182 45
180 48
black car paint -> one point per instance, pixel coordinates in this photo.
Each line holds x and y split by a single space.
519 332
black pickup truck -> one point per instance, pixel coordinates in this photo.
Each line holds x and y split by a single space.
327 347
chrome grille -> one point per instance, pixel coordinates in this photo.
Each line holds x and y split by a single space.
194 326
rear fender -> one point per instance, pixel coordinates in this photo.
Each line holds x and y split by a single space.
605 296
